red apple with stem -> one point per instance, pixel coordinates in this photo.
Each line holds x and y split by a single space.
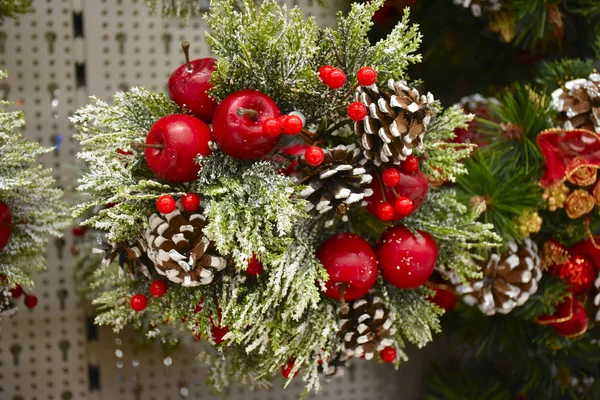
190 83
237 124
351 264
5 224
172 145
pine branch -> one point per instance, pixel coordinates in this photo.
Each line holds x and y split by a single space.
12 8
555 73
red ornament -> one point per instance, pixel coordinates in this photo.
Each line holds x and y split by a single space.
286 370
5 224
366 76
238 124
218 333
16 292
295 151
411 164
190 83
351 265
578 272
324 71
385 212
79 230
138 302
254 267
588 249
413 186
172 145
445 297
569 319
405 259
357 111
271 126
190 202
30 301
158 288
314 156
388 354
403 206
390 177
292 125
166 204
335 79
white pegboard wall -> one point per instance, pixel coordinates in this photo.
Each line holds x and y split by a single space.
56 57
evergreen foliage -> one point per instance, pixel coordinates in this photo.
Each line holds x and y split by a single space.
13 8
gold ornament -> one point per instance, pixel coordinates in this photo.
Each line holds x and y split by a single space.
579 203
596 192
585 175
555 196
528 222
553 254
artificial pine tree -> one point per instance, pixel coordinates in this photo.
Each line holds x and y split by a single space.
226 212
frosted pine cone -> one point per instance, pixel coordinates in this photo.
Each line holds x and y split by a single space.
179 249
336 366
578 104
508 280
134 256
7 304
396 121
478 6
339 183
367 327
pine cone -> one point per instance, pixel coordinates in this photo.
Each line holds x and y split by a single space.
179 249
337 184
7 305
336 366
508 280
396 121
366 328
134 256
578 104
478 6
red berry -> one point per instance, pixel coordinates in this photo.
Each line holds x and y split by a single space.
390 177
388 354
324 71
78 230
335 79
403 206
30 300
366 76
5 224
286 370
281 121
158 288
292 125
412 185
16 292
271 126
138 302
166 204
385 212
190 202
357 111
314 156
254 267
411 164
218 333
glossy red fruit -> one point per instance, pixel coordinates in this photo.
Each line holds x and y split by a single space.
445 297
324 71
254 267
349 260
403 206
190 202
30 301
218 333
189 89
385 212
16 292
5 224
237 124
166 204
413 186
138 302
388 354
335 79
295 151
366 76
286 370
183 138
158 288
314 156
292 125
411 164
390 177
357 111
405 259
271 126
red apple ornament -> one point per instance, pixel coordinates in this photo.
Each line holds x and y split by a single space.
405 259
351 265
238 124
172 145
5 224
190 83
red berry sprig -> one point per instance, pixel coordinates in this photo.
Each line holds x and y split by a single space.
366 76
357 111
286 370
31 300
324 71
254 267
403 206
411 164
158 288
385 212
391 177
166 204
388 354
190 202
292 125
314 156
271 127
335 78
138 302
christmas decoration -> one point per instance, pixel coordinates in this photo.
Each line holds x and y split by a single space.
479 6
138 302
578 272
336 366
190 202
406 259
528 222
254 267
508 280
12 8
388 354
579 104
158 288
5 224
579 203
166 204
397 117
556 196
286 370
30 301
569 318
